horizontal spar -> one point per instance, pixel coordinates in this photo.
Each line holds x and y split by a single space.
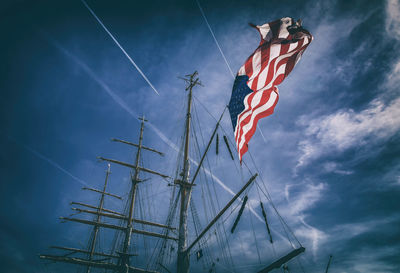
103 192
92 263
123 218
133 166
152 224
93 223
154 234
84 251
80 261
110 215
136 145
94 207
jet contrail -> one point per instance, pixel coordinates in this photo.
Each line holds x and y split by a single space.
215 39
51 162
55 164
124 106
163 137
90 72
119 45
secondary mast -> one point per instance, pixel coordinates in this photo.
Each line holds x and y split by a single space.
96 228
124 261
120 260
185 186
135 179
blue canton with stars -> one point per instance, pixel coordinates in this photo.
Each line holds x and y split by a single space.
239 92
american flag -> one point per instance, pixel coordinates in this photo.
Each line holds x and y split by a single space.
254 93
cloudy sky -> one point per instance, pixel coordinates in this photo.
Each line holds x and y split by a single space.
327 155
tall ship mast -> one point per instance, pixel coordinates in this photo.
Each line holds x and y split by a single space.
173 236
120 260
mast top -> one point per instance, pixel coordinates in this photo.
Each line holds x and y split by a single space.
191 80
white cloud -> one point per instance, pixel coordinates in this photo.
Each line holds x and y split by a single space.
370 260
393 31
306 198
346 128
366 259
299 204
333 167
393 78
351 230
313 234
393 18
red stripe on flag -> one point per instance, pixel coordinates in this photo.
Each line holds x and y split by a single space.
266 68
247 136
245 119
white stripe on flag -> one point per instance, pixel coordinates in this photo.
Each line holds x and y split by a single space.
256 63
255 101
274 52
258 111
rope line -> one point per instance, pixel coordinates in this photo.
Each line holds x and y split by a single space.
266 192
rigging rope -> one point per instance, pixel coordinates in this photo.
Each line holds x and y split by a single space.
283 222
212 203
163 254
266 193
242 180
223 55
224 244
255 238
141 216
161 259
203 248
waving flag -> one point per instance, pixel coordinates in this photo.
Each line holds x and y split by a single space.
254 93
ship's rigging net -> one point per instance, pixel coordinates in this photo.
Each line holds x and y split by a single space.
218 240
263 195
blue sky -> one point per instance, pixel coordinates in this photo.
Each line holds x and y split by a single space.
329 157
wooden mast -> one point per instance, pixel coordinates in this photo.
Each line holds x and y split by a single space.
98 216
135 179
123 264
183 262
185 186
